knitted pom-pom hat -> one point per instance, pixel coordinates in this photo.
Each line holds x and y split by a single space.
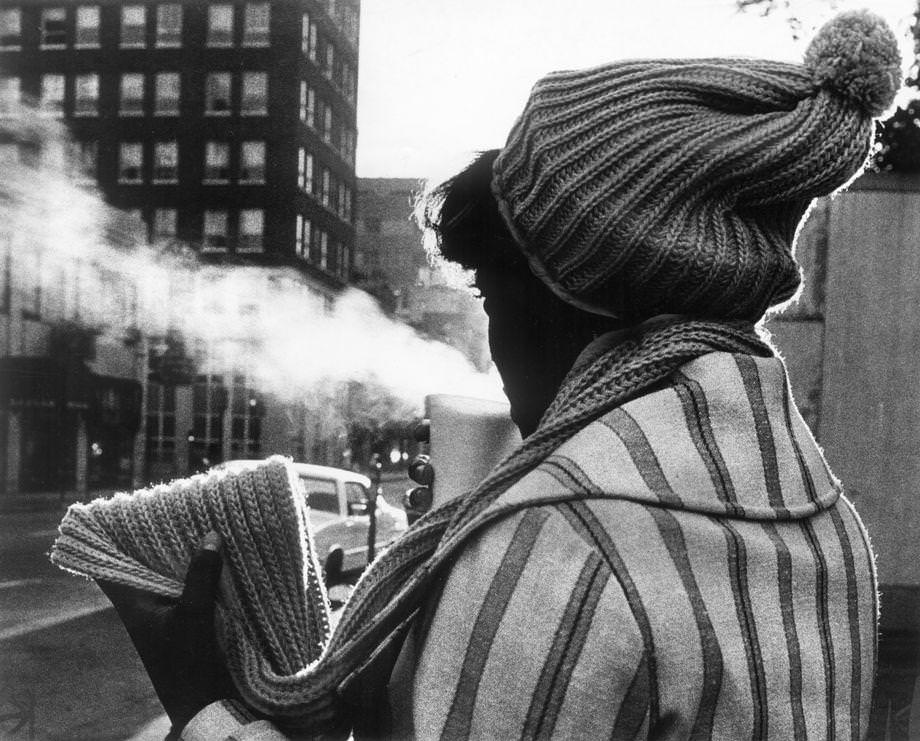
676 186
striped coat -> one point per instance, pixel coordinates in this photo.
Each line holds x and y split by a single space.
684 567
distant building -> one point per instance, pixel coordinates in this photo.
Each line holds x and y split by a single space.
228 126
391 263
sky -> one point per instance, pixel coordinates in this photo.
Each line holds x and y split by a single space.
442 79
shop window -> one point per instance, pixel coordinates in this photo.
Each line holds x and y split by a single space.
252 162
251 231
215 231
10 96
133 26
54 28
166 94
86 95
87 26
161 423
256 24
220 25
131 95
164 225
52 95
255 94
169 25
166 162
130 163
217 162
10 28
217 94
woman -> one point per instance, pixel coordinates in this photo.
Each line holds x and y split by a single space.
667 555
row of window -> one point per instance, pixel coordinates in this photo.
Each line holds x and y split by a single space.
320 116
60 27
314 245
221 229
165 163
324 185
224 93
344 15
321 51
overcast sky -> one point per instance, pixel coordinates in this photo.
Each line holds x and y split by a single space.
441 79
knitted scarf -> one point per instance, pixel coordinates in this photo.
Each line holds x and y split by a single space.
396 586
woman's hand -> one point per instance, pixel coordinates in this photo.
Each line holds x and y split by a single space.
175 638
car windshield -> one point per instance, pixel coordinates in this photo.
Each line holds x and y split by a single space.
321 494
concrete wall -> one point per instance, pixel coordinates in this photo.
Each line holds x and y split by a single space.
852 347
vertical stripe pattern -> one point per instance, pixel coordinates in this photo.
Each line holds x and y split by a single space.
488 620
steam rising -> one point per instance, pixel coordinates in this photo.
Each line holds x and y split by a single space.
266 322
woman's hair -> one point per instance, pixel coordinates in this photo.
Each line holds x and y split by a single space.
463 217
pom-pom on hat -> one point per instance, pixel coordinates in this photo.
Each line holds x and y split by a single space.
648 187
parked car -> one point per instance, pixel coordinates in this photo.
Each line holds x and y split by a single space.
338 501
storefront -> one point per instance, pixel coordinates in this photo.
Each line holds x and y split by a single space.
112 423
43 404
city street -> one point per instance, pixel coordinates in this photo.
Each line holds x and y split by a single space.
68 671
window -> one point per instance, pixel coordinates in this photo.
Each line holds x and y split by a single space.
346 208
217 94
166 94
325 193
215 231
132 95
309 37
252 226
134 26
329 61
9 96
252 162
54 28
32 294
311 107
86 99
302 238
327 124
255 93
321 494
246 410
52 100
302 168
164 224
308 184
220 25
10 28
209 399
305 26
169 25
87 25
303 100
85 161
350 145
344 267
217 162
130 161
161 422
166 162
350 23
323 250
255 24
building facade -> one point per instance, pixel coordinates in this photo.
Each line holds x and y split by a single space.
391 263
227 127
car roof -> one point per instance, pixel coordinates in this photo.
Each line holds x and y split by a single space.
305 469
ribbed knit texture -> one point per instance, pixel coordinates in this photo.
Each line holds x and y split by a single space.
676 186
272 615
